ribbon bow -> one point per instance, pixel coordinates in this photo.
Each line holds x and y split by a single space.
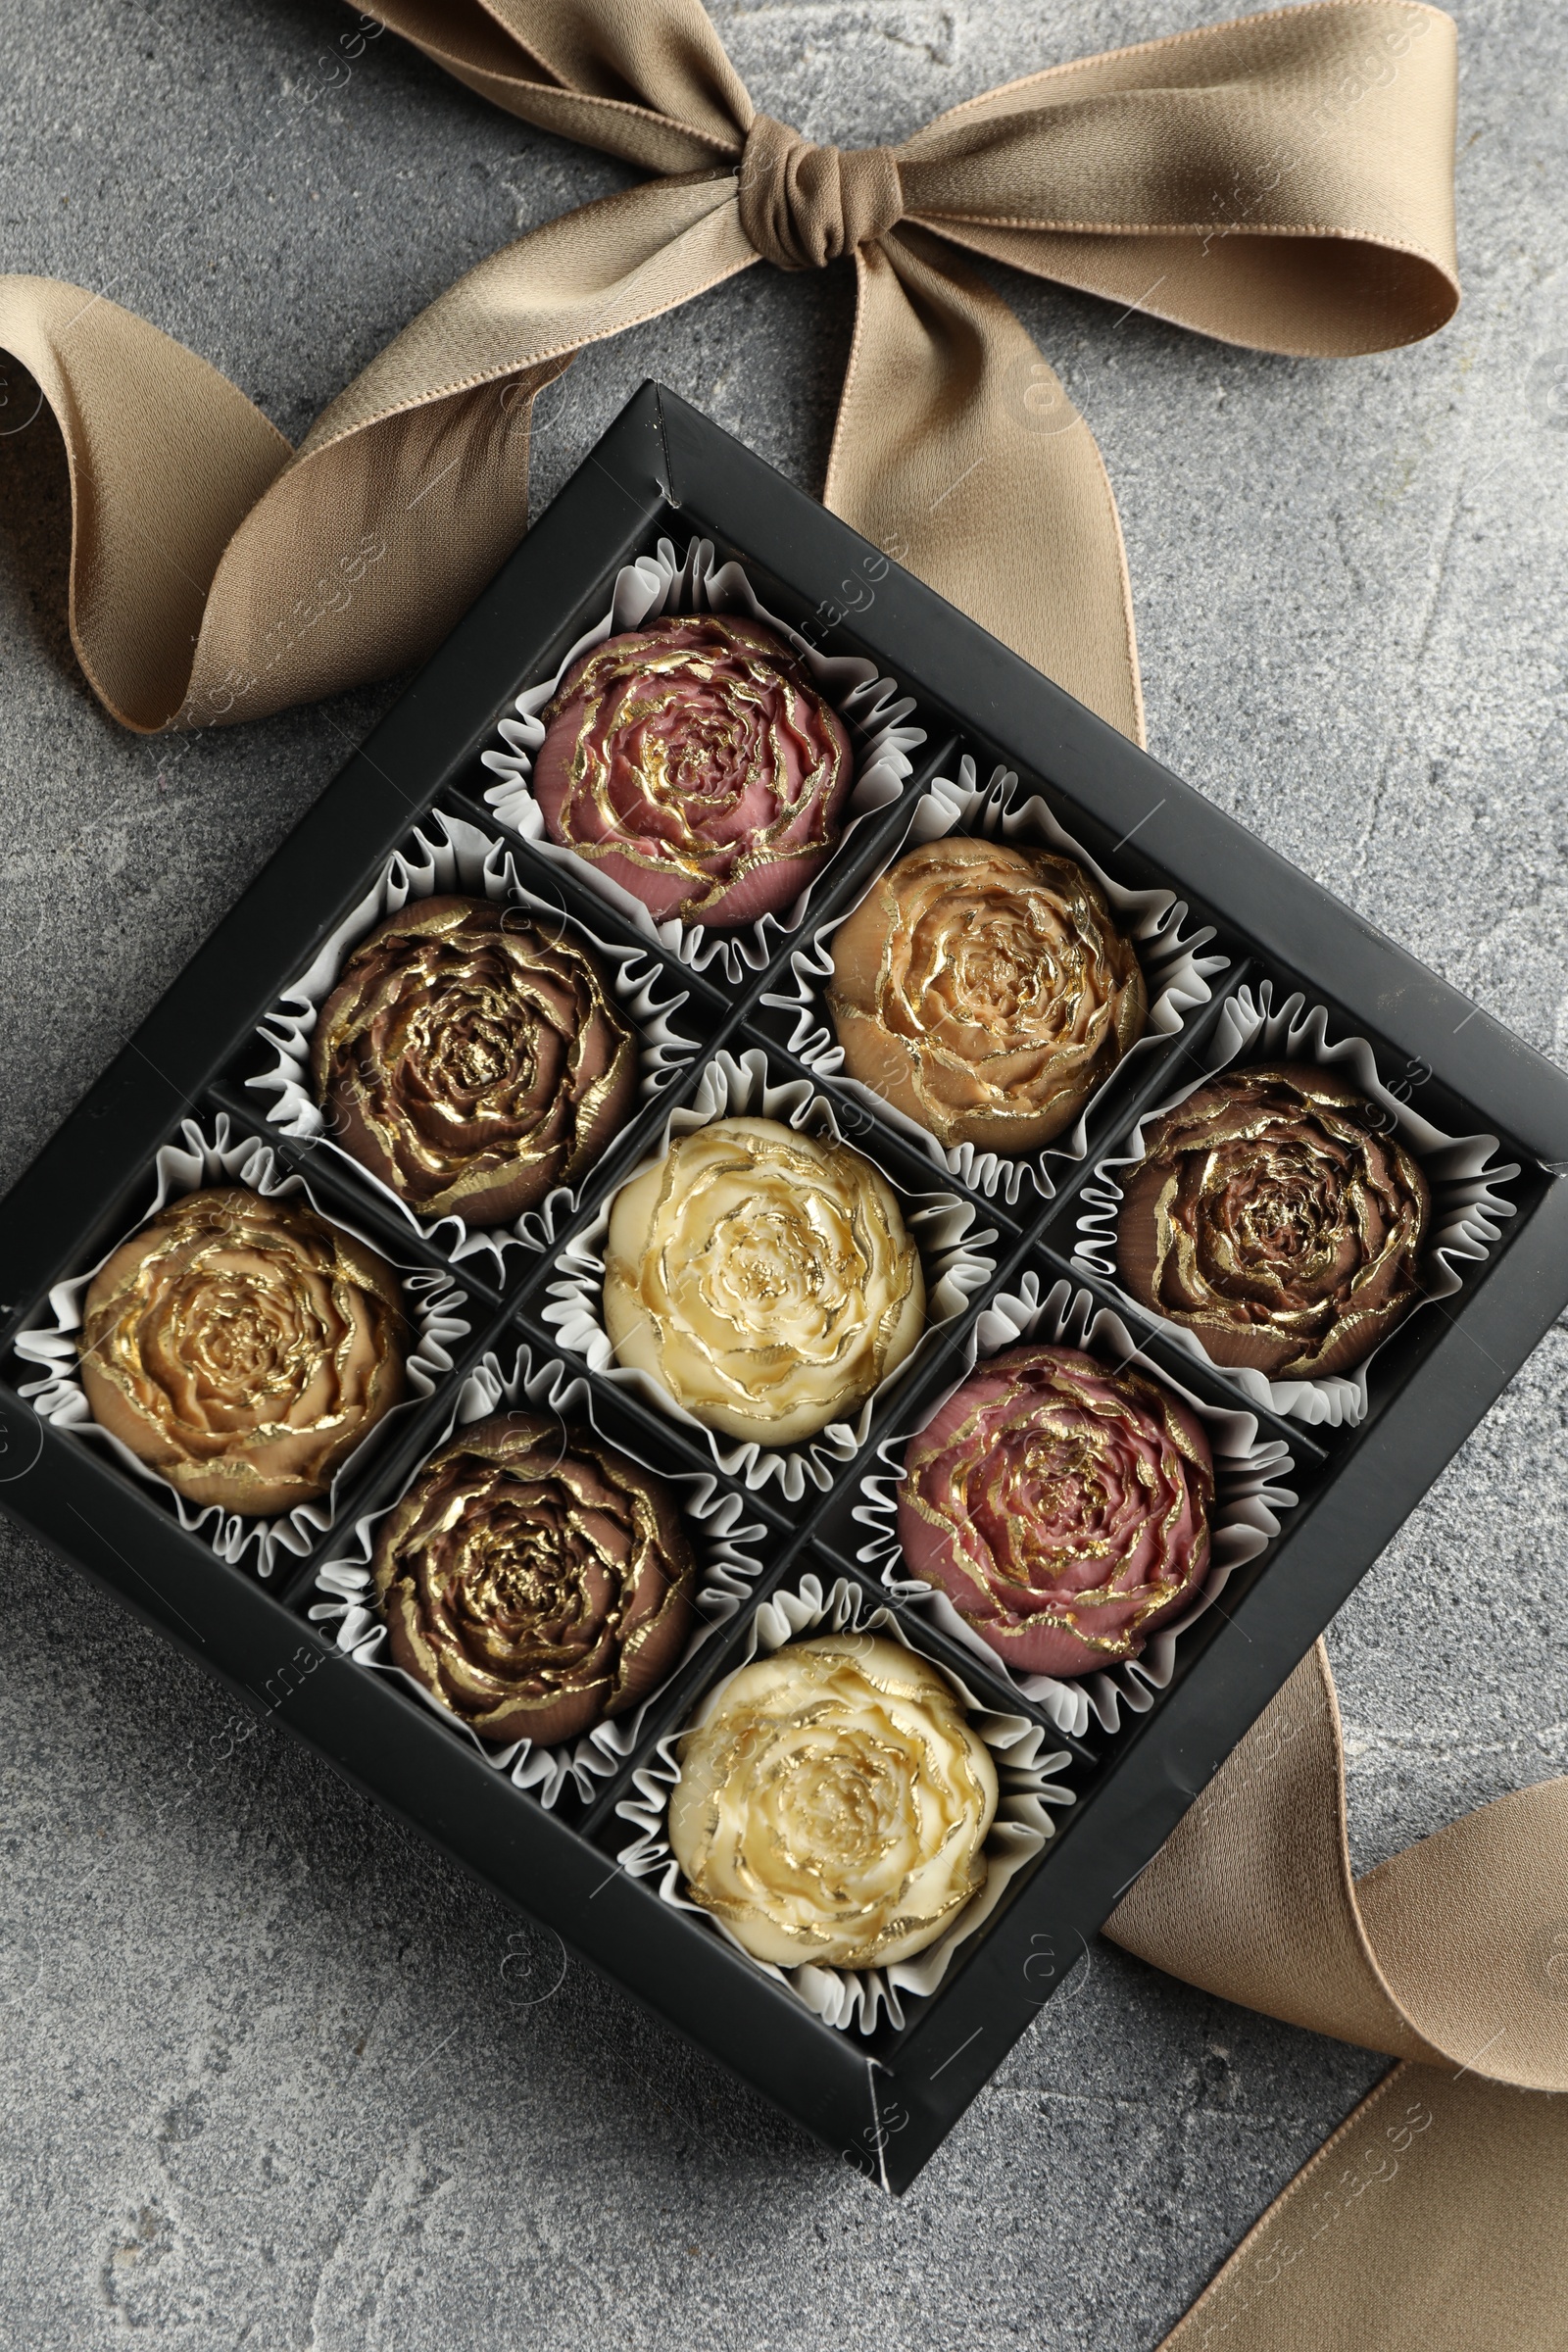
1284 181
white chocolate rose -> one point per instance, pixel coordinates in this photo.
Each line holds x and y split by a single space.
764 1279
833 1805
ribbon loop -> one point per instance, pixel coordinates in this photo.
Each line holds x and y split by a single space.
803 206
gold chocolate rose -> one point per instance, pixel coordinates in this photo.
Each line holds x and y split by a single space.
833 1805
985 991
763 1279
1272 1216
696 764
472 1062
534 1579
242 1346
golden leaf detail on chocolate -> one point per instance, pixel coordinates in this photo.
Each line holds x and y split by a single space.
1061 1505
763 1279
242 1346
833 1805
984 989
534 1579
695 762
1273 1217
472 1061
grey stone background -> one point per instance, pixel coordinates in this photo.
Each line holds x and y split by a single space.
270 2073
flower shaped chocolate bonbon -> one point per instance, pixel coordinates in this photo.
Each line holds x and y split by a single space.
833 1805
1062 1506
985 991
242 1346
695 763
533 1579
763 1277
1273 1217
472 1061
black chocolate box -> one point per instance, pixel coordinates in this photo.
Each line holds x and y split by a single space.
885 2098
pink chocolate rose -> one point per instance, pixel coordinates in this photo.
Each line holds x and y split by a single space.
695 763
1061 1506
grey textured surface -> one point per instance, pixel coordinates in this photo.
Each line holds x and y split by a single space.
270 2073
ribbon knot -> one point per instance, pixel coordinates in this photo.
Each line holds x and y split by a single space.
803 205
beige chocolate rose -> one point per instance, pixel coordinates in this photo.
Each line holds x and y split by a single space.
833 1805
242 1346
985 991
764 1279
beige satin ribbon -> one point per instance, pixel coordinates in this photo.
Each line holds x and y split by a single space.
1285 181
1436 2219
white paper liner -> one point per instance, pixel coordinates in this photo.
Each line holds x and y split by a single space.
843 1997
1177 975
1465 1209
446 854
1248 1495
437 1318
940 1223
727 1568
873 708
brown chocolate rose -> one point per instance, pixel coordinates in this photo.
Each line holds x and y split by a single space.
697 765
985 990
1273 1217
1064 1507
242 1346
471 1061
534 1579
